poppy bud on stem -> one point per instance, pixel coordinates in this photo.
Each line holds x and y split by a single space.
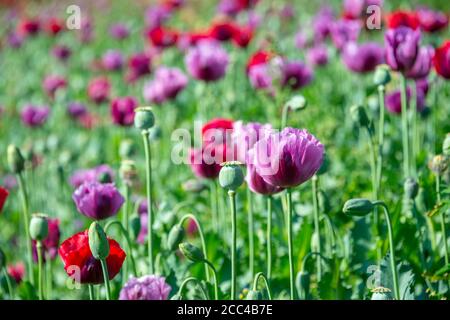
254 294
38 232
295 103
99 245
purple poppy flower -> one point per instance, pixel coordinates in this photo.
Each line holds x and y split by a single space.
122 110
52 83
156 15
322 23
98 201
430 20
76 110
344 31
260 77
255 182
402 48
9 182
145 288
112 60
288 158
317 55
34 116
61 52
362 58
244 137
207 61
101 173
423 64
167 84
300 40
119 31
355 9
86 32
138 66
15 40
393 100
295 74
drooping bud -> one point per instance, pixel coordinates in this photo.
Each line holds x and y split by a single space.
175 237
411 188
16 161
127 149
297 102
144 118
254 295
98 242
446 145
359 116
438 164
302 282
231 175
381 293
382 75
191 252
39 227
135 225
358 207
128 172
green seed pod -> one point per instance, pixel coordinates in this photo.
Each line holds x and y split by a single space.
446 145
297 102
98 242
127 149
175 237
382 75
438 164
411 188
302 282
358 207
144 118
191 252
381 293
128 172
254 295
135 225
359 116
231 175
39 227
155 133
16 161
2 259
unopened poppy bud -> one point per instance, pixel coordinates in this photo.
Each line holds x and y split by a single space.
144 118
381 293
302 283
358 207
135 225
128 172
438 164
104 177
254 295
382 75
39 227
446 145
297 103
2 259
191 252
175 237
98 242
359 116
16 161
411 188
231 175
127 149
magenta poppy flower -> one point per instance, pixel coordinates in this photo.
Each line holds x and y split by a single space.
101 173
288 158
166 85
423 64
402 48
393 100
112 60
138 66
255 182
61 52
244 137
364 57
345 31
317 55
15 40
119 31
322 23
34 116
50 244
207 61
122 110
145 288
52 83
295 74
99 89
155 16
98 201
260 77
76 110
430 20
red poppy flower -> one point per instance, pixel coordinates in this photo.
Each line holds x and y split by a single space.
28 27
17 271
75 253
162 37
54 26
218 123
259 57
432 21
242 36
222 31
3 195
195 37
441 60
402 18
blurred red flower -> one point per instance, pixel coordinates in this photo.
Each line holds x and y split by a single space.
54 26
222 31
259 57
402 18
17 271
28 27
162 37
3 195
441 60
242 36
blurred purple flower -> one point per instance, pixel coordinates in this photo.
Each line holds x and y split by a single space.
300 40
76 110
207 61
102 173
122 110
52 83
423 64
260 77
34 116
145 288
166 85
61 52
322 23
402 48
295 74
364 57
317 55
394 104
138 66
155 16
15 40
119 31
112 60
344 31
244 136
98 89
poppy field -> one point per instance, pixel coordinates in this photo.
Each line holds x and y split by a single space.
224 150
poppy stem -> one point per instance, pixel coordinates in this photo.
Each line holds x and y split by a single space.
106 278
148 158
127 239
317 225
251 243
125 220
442 218
214 213
40 269
405 135
290 246
232 197
258 276
185 283
216 284
91 292
269 237
26 223
8 283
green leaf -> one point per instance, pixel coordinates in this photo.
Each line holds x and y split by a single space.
27 291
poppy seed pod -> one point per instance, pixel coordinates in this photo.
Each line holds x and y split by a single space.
39 227
302 283
144 118
254 295
135 225
2 259
191 252
381 293
438 164
359 116
128 172
98 242
16 161
411 188
446 145
127 149
231 175
175 237
382 75
358 207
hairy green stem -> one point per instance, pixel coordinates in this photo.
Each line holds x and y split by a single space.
148 158
269 237
405 135
40 269
251 242
442 219
317 225
106 278
232 197
290 245
26 224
